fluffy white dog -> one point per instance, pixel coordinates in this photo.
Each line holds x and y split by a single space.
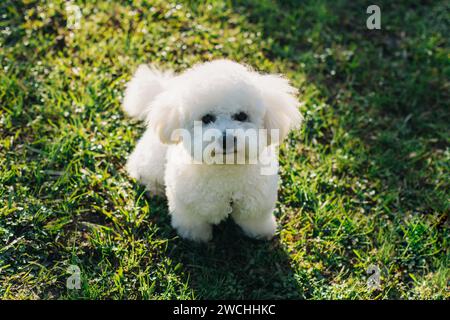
225 97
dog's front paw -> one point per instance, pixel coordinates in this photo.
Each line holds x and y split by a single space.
199 232
259 228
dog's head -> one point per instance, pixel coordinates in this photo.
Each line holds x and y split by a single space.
230 104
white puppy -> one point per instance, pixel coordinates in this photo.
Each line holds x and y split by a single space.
222 96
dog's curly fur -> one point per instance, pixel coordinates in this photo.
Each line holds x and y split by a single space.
200 195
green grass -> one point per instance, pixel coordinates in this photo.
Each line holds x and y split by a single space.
365 181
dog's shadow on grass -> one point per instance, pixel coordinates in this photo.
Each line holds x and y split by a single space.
231 266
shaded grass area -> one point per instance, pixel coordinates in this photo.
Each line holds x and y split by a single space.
365 181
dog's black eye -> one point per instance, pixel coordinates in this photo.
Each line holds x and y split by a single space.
208 118
241 116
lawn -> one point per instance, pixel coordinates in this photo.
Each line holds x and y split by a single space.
364 182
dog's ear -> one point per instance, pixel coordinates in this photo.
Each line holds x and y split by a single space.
147 83
280 100
164 118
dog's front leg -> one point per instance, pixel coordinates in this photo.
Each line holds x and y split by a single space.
191 227
254 213
194 214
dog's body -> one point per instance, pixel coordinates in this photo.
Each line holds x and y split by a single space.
224 95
